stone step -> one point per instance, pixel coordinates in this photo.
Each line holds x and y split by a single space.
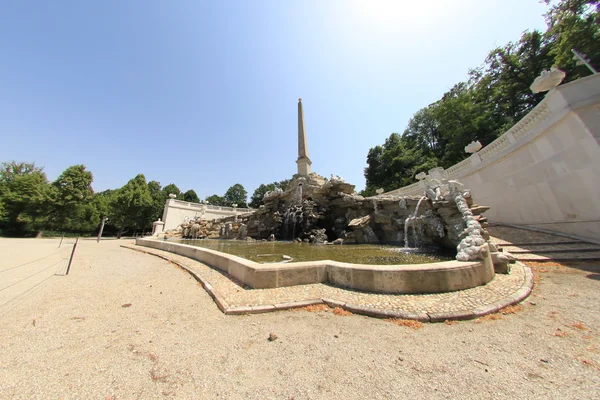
549 251
477 210
565 256
549 247
507 235
562 259
542 243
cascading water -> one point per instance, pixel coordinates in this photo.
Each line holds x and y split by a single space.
293 215
411 220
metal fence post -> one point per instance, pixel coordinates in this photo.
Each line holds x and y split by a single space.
72 254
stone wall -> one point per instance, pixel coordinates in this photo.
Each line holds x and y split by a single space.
176 211
544 172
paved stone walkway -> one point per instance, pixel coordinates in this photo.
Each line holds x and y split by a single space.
232 298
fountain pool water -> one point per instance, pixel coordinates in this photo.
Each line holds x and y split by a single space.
267 252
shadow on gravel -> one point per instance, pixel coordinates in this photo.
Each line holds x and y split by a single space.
566 267
595 277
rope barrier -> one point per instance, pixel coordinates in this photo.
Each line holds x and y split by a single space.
31 262
24 279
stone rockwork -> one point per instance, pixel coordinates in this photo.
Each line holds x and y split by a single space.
321 211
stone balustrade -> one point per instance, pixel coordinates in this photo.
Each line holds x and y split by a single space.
176 211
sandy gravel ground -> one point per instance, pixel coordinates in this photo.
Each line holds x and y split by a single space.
126 325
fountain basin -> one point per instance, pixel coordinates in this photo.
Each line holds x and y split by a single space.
279 251
439 277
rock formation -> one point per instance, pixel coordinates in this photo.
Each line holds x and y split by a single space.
319 210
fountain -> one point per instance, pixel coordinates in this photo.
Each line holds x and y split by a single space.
318 210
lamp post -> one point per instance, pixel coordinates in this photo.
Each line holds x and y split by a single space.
582 59
104 219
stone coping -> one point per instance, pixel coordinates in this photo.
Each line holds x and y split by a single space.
441 277
232 299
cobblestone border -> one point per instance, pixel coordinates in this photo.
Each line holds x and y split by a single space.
516 297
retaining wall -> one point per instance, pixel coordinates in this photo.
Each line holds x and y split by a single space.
545 171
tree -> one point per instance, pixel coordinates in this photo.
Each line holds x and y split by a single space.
424 131
574 24
495 97
395 164
70 194
129 205
191 196
23 197
159 198
171 188
236 194
259 193
215 200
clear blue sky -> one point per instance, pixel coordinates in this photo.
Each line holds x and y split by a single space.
203 94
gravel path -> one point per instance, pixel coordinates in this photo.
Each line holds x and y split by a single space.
127 325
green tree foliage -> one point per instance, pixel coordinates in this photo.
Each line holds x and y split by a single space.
24 195
395 164
191 196
216 200
129 205
69 200
171 188
495 97
102 202
236 194
158 200
2 211
29 203
257 197
574 24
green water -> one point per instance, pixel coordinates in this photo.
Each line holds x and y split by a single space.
270 252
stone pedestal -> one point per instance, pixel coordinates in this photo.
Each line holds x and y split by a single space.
304 166
157 227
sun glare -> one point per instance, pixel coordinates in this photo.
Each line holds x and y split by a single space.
388 16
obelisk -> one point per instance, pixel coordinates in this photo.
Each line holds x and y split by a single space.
303 161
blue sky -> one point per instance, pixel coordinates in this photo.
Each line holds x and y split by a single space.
203 94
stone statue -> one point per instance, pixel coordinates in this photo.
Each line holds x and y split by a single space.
194 230
436 184
473 147
547 80
242 232
471 246
336 178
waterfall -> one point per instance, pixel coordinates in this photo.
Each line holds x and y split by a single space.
293 215
411 220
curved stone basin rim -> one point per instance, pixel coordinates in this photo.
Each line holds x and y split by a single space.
445 276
